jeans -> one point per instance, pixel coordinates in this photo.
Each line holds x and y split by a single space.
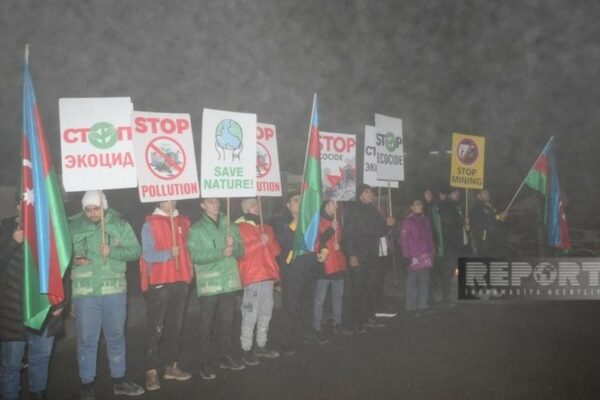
257 308
216 311
39 348
165 309
92 314
298 290
337 292
417 290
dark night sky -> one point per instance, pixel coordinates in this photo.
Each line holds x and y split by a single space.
516 72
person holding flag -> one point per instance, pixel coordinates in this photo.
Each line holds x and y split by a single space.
488 227
165 273
99 289
299 242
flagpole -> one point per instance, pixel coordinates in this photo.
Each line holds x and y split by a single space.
307 147
260 214
173 234
525 179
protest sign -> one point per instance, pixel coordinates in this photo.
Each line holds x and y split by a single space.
228 166
164 156
96 145
267 161
338 166
390 148
468 160
370 161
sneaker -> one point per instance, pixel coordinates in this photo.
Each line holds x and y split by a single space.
174 372
207 372
385 314
249 358
87 393
128 389
152 382
229 362
360 329
316 337
288 352
264 352
371 323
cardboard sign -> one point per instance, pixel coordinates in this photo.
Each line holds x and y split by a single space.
390 148
164 156
228 166
95 142
268 176
338 166
468 160
370 161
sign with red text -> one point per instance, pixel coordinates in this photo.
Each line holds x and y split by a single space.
370 161
165 160
228 166
96 144
268 178
390 148
338 166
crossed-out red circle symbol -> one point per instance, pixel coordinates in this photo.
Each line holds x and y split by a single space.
263 160
165 158
467 151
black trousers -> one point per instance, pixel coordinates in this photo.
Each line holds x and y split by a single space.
216 320
298 283
366 290
165 306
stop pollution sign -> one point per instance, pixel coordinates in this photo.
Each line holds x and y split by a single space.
165 159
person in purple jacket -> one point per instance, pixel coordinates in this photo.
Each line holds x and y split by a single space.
416 240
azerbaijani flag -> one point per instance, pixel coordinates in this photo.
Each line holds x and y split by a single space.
309 214
47 241
543 177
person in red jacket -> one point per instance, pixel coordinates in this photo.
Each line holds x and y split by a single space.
165 274
330 236
258 272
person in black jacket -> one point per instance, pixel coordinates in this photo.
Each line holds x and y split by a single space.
298 281
488 227
363 228
14 336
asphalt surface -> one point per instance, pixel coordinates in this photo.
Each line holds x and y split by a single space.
489 350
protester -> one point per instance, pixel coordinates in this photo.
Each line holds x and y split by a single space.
99 290
14 336
417 247
488 227
332 271
454 228
362 232
258 273
299 276
165 273
215 245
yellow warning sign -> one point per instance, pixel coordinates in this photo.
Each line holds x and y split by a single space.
468 160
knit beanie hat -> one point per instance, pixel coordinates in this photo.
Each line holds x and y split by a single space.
92 198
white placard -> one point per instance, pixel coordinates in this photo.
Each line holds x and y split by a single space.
96 145
370 161
338 166
228 166
390 148
165 160
268 176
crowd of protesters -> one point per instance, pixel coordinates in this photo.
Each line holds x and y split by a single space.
246 259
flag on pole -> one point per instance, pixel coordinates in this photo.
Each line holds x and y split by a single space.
47 241
309 214
543 177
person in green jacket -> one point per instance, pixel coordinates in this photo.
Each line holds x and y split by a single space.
99 290
215 245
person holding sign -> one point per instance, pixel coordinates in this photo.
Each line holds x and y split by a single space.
363 230
332 273
215 245
258 272
99 289
165 273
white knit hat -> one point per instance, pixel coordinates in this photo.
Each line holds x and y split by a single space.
247 203
92 198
